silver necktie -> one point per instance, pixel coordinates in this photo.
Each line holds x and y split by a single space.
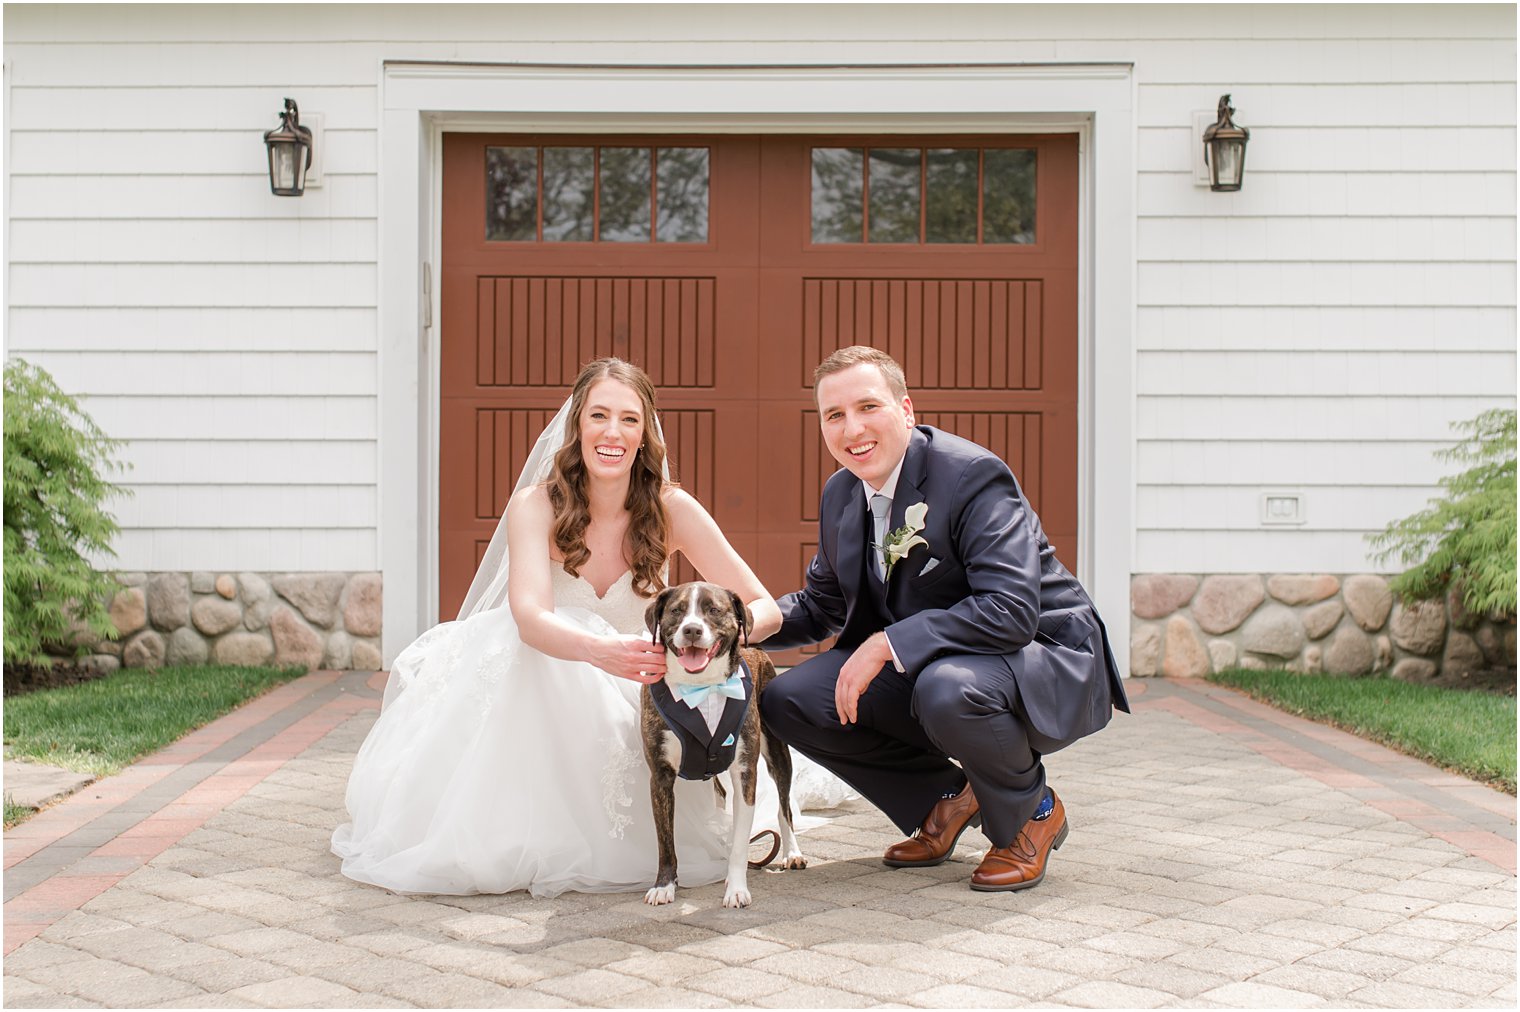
881 506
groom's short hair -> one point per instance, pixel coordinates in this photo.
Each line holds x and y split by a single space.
859 354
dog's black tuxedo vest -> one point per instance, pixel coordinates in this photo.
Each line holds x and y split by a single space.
703 755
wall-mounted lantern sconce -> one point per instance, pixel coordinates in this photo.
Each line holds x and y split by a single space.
289 153
1224 149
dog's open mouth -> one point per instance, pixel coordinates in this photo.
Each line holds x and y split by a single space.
695 660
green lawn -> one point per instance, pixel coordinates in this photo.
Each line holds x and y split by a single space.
100 726
1470 732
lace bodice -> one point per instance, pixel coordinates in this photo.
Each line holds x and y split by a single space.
621 607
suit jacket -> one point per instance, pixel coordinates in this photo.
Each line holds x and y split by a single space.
996 588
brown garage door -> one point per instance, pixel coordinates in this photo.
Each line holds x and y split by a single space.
728 267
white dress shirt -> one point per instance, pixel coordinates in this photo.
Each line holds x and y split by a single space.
889 490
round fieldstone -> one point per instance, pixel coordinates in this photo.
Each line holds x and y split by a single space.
1350 652
145 650
1384 654
186 647
1509 645
1320 619
1145 651
213 616
254 588
1223 602
1414 669
112 647
1222 654
169 600
1302 589
339 652
1420 628
243 648
226 586
1252 663
1157 595
1491 644
314 594
202 583
1462 656
362 611
131 579
100 664
1185 656
1314 660
366 656
1456 607
1369 600
295 643
129 610
1274 631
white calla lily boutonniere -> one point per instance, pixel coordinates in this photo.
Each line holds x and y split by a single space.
900 542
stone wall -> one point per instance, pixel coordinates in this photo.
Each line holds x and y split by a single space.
1189 626
314 620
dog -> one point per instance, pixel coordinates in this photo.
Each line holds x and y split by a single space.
703 628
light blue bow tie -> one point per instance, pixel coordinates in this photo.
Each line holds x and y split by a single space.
694 695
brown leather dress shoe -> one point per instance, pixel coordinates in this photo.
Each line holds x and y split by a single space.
936 838
1021 865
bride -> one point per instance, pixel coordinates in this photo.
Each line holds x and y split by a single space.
507 754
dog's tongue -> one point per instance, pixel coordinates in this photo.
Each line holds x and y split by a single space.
694 659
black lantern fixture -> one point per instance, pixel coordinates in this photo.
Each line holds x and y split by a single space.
1224 150
289 153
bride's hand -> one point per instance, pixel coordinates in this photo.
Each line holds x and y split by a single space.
632 657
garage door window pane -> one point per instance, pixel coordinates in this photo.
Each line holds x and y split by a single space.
838 195
512 194
1008 196
681 194
625 195
569 194
950 195
894 194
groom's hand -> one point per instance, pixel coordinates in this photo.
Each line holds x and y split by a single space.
857 675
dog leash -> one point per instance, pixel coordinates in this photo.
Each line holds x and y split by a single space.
775 847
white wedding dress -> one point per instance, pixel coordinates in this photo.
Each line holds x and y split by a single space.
494 767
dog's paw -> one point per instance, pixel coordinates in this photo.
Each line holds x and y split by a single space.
794 862
736 896
660 895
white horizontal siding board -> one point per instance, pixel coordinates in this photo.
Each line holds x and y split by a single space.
192 284
1328 462
215 197
1325 373
261 549
1317 328
1321 239
1270 106
206 105
215 507
1326 284
1278 550
254 241
1238 508
172 374
160 64
170 328
1298 417
1248 62
1295 194
1344 149
174 153
280 463
344 418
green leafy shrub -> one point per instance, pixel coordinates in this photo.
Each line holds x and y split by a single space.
55 456
1468 536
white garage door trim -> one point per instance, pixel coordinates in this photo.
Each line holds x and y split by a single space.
421 101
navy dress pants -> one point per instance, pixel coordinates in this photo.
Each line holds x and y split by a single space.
962 706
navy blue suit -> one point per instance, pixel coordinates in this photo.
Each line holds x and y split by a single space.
1005 656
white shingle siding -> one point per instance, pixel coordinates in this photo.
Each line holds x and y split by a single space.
1316 331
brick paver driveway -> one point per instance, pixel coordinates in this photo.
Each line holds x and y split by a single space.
1221 854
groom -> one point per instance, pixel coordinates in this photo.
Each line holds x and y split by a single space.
975 644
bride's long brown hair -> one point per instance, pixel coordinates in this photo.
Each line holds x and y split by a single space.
648 526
